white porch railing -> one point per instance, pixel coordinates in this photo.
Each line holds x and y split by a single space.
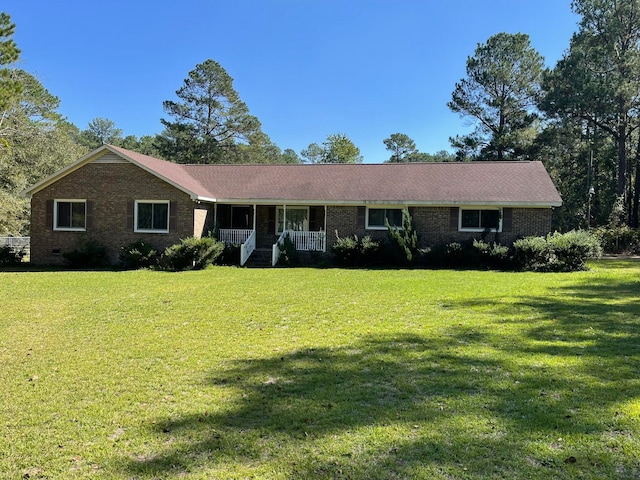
247 248
234 236
275 250
308 241
302 241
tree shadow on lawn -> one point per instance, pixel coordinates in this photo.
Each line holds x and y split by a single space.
387 407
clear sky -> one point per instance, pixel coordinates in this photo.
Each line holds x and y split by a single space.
305 68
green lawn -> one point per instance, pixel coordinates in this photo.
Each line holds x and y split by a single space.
307 373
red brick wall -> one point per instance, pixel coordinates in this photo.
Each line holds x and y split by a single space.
109 186
433 225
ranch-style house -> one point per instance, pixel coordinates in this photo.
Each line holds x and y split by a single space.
117 197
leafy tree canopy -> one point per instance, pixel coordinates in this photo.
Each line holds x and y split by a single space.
337 148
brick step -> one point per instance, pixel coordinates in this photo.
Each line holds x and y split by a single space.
260 258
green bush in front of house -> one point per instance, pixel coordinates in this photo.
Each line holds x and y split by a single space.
89 253
353 251
192 254
557 252
138 255
403 242
10 257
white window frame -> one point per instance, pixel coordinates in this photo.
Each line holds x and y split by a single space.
150 230
382 207
479 229
288 208
55 215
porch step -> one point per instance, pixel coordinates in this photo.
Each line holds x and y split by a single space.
260 258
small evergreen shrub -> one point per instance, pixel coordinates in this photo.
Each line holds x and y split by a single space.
288 252
352 251
138 255
192 253
88 254
489 255
10 257
403 242
230 255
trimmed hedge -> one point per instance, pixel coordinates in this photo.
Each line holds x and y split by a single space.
138 255
557 252
192 254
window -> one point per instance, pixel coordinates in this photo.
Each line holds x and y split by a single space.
151 216
70 215
377 218
297 219
479 220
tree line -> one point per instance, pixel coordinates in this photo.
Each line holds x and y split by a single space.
581 118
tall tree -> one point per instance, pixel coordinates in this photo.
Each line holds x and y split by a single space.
337 148
40 142
598 82
500 93
101 131
209 120
401 146
9 53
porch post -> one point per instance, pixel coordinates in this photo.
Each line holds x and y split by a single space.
254 216
215 216
324 249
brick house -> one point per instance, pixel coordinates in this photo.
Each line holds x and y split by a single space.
118 196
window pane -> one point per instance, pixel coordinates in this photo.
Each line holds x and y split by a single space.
145 215
64 215
490 219
78 214
297 219
470 218
395 217
160 216
376 217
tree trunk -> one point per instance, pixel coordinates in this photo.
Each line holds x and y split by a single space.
622 155
636 191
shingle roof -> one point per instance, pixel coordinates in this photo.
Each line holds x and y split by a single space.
479 183
525 183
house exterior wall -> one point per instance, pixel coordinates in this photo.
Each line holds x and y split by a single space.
110 187
433 225
203 220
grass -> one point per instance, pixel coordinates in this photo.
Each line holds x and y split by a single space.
302 373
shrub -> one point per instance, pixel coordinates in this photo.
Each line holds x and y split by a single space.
469 254
403 242
138 255
558 252
621 239
573 249
230 255
9 256
489 255
352 251
192 253
88 254
288 252
532 253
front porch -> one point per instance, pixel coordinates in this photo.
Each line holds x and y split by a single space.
267 226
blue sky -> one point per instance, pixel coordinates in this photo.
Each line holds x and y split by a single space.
306 69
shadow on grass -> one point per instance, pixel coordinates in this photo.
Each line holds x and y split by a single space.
394 407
